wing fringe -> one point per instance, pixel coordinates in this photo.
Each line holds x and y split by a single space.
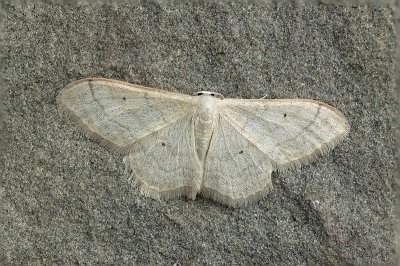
239 202
307 159
157 194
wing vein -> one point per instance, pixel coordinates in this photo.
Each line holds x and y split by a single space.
236 126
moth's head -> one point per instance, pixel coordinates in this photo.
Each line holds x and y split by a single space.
213 94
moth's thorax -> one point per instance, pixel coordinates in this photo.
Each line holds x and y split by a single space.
204 123
207 108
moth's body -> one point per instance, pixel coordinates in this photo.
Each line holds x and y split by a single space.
205 116
180 145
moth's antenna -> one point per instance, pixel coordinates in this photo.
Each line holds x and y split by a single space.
213 94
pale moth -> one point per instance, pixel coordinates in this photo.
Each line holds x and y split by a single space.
180 145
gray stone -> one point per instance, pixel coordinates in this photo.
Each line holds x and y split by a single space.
65 199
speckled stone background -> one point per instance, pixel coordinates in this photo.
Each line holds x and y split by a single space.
66 200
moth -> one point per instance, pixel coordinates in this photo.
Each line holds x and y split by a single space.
180 145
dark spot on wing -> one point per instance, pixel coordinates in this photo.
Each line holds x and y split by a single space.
284 115
162 143
241 152
124 98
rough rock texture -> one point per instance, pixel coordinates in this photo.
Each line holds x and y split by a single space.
65 199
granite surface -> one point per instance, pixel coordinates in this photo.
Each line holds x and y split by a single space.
65 199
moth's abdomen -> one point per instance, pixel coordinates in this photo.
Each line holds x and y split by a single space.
203 135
